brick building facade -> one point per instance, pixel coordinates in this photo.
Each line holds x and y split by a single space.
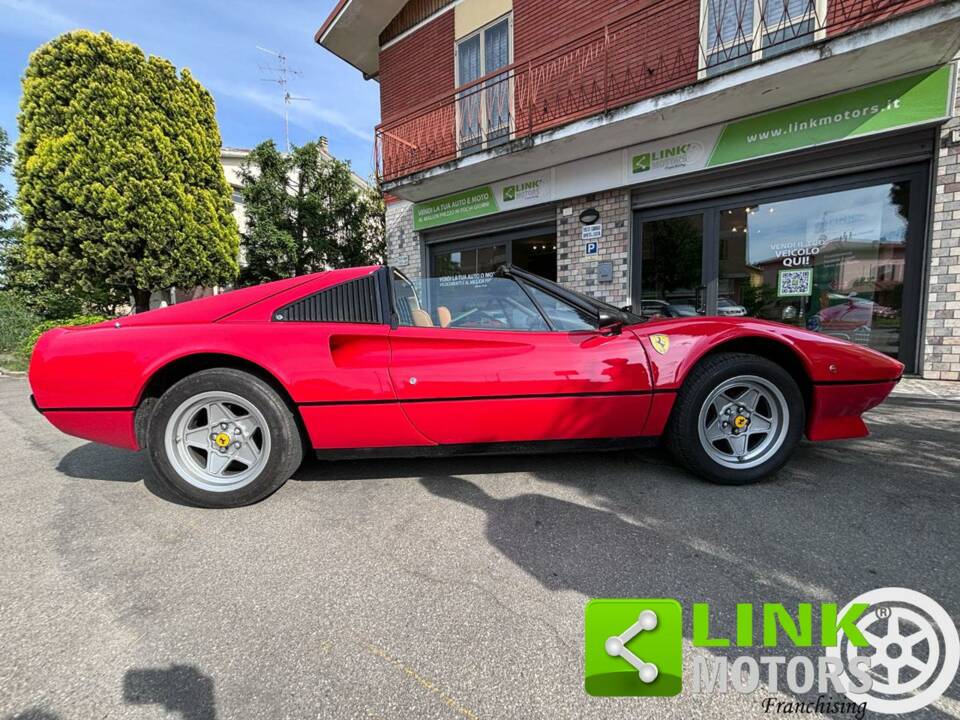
942 342
797 164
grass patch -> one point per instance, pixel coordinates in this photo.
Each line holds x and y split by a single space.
15 363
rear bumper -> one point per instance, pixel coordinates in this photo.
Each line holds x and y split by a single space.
109 427
836 409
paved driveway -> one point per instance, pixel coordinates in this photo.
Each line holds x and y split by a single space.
433 588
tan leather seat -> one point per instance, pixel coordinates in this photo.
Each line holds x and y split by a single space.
421 318
443 314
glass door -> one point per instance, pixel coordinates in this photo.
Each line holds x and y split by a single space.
671 271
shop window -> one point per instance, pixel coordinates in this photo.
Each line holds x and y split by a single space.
670 265
530 249
734 33
832 263
537 255
484 111
473 261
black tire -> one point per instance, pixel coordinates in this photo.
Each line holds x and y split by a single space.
683 436
285 449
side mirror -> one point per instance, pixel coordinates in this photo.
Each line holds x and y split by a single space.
609 323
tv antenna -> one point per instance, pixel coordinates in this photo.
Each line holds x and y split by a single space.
280 74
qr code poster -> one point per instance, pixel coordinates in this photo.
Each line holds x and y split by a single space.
795 283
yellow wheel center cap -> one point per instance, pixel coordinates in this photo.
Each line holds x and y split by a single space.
222 439
740 422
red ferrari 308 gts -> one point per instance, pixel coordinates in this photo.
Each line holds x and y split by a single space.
226 393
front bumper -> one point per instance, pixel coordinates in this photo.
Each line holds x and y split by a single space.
836 409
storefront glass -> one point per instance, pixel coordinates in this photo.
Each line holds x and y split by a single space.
533 249
671 261
832 262
480 260
843 257
537 255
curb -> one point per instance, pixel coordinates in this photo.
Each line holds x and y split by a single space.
12 373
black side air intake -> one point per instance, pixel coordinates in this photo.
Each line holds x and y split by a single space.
355 301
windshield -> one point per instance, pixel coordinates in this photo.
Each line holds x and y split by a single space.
630 318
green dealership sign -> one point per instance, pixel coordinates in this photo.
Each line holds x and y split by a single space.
899 103
454 208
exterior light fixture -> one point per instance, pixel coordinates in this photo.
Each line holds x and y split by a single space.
589 216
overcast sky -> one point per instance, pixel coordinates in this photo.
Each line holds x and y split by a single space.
217 41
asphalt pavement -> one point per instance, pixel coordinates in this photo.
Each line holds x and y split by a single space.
447 588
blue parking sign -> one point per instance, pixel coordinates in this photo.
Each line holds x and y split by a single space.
592 248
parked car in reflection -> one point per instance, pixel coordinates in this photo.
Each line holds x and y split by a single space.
728 308
849 316
661 308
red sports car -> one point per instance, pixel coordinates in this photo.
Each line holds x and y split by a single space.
226 393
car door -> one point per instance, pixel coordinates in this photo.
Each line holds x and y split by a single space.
474 360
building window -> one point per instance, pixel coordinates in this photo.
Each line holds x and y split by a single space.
734 33
484 112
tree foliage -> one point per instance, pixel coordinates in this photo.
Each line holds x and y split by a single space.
9 226
120 184
6 203
306 213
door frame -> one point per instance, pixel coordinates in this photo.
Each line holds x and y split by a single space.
917 246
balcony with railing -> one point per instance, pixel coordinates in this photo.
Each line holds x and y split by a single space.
630 57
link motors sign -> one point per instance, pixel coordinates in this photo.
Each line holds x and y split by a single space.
918 99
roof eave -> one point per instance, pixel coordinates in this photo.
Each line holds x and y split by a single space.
352 32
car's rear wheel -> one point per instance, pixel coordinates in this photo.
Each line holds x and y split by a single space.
223 438
737 419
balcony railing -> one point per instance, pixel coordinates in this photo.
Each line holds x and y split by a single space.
629 57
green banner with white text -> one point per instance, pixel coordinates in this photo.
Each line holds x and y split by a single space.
454 208
899 103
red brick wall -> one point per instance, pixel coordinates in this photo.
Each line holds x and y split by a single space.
653 50
417 68
538 24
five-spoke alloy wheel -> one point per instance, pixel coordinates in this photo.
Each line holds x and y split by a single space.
217 441
223 438
737 419
743 422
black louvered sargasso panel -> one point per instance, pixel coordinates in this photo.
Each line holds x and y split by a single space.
355 301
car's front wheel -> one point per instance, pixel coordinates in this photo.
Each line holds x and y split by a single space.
737 419
223 438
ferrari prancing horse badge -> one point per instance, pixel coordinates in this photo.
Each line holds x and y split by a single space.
661 343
